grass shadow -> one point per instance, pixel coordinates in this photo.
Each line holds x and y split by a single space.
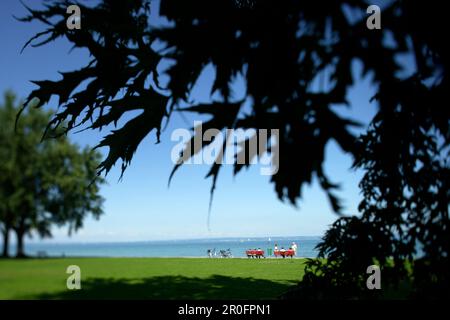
174 287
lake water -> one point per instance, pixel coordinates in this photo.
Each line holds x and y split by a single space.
172 248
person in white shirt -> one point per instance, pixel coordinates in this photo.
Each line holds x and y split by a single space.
294 247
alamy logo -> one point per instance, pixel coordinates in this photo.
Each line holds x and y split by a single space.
374 20
74 280
374 280
74 20
239 146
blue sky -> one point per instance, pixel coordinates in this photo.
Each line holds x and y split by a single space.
141 206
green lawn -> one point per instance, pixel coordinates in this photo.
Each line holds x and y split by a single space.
150 278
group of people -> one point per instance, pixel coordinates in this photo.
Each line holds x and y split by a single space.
292 251
257 252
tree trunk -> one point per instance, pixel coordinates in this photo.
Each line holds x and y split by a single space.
5 251
20 247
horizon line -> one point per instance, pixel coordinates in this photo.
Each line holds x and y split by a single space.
245 238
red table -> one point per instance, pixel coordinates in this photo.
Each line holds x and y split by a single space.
286 253
254 253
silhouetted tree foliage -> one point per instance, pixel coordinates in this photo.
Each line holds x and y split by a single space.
283 49
42 184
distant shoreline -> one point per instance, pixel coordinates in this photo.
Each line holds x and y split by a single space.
166 249
221 239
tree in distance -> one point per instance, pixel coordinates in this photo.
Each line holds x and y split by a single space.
42 184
